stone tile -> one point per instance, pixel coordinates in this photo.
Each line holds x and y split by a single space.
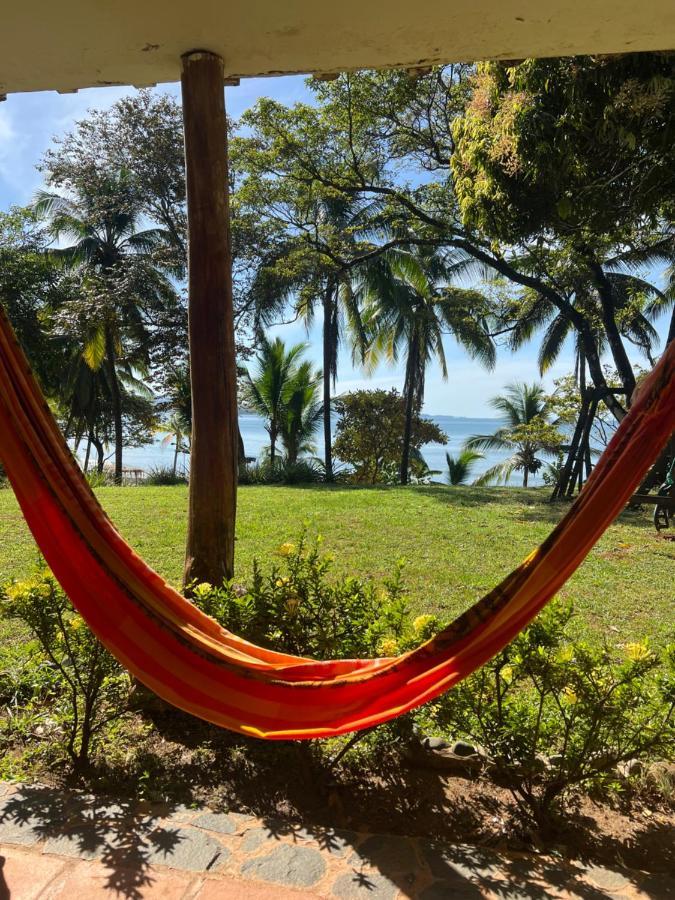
358 886
184 848
336 842
254 838
13 831
75 845
220 822
447 860
24 876
180 815
94 881
386 853
225 888
287 864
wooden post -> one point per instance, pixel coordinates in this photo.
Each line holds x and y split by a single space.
213 467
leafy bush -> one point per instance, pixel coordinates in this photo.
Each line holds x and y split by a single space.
98 479
162 476
554 713
4 481
303 471
69 681
295 608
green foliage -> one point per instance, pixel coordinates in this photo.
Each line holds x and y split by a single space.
282 471
555 713
370 433
581 146
164 475
69 685
297 608
284 390
461 466
526 432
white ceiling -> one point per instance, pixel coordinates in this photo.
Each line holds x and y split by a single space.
69 44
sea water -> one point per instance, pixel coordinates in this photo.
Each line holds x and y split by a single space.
255 437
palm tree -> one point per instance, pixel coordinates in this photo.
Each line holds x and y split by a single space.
302 411
461 466
102 226
316 283
526 433
409 307
266 391
178 433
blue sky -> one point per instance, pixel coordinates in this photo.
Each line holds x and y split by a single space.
28 122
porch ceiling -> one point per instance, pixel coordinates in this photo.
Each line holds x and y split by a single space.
69 44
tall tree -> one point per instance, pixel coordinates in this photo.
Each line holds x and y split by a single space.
267 389
100 219
526 433
410 307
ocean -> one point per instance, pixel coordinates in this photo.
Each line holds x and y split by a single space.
255 438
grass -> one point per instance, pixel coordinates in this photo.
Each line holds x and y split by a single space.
458 543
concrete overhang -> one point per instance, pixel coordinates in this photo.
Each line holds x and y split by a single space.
69 44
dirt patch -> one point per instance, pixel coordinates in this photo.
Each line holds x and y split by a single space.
183 760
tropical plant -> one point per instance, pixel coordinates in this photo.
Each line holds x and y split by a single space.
118 273
271 386
461 466
302 412
178 434
526 433
409 306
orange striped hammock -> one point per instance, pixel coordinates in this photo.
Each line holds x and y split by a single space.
192 662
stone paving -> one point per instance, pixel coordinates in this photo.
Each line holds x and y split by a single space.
67 846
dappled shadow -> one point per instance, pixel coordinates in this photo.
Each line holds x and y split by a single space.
4 888
121 835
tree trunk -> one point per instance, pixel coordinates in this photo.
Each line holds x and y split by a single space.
411 368
116 398
273 444
175 456
525 474
213 471
328 369
87 454
590 348
614 339
671 330
99 450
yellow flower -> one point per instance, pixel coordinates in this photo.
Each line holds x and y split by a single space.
507 674
203 589
422 623
388 647
566 655
282 582
637 651
76 623
286 549
569 696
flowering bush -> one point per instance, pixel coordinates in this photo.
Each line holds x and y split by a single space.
297 608
553 713
75 687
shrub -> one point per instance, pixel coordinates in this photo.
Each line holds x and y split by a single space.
70 680
162 476
296 608
554 713
98 479
303 471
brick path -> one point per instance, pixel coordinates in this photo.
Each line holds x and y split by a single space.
70 846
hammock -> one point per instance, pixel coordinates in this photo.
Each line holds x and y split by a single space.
190 661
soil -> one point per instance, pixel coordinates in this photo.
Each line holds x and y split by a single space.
188 761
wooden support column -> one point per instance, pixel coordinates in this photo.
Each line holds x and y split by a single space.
213 465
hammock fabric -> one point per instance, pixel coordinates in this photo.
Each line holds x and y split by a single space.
189 660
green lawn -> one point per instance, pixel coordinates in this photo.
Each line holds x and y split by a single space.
458 542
